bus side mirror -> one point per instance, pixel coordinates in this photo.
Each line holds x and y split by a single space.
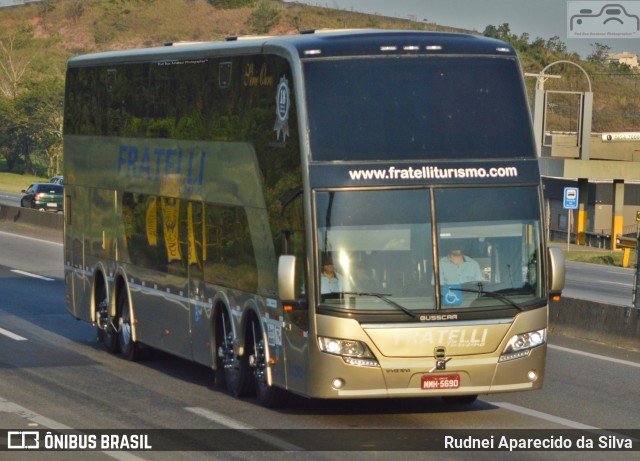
287 292
287 278
556 272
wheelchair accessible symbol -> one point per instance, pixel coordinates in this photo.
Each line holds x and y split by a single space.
451 295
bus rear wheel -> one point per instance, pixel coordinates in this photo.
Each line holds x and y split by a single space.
128 346
107 334
235 369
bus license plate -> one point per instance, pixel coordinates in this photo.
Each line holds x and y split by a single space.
52 205
440 382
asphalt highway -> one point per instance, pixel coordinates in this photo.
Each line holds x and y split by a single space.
54 376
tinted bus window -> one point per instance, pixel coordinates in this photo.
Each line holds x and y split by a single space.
414 108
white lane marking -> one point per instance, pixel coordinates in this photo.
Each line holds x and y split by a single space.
615 283
9 407
11 335
35 276
582 281
31 238
595 356
238 425
219 418
556 419
543 416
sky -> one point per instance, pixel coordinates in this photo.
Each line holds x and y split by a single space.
538 18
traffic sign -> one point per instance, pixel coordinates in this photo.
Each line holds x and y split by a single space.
570 198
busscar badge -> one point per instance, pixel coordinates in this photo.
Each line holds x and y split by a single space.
282 109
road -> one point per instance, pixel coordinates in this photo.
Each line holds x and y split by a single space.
53 375
7 198
595 282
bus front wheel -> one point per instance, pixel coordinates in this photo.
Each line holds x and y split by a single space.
268 396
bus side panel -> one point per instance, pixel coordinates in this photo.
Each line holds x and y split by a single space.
77 275
161 309
218 133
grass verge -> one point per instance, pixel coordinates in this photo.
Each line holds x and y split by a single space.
14 183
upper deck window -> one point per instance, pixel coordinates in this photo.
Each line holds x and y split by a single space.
408 108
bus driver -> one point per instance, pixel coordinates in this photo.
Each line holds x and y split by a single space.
329 280
456 268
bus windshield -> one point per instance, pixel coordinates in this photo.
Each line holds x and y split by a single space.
376 250
417 108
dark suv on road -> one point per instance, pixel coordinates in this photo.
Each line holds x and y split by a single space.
43 196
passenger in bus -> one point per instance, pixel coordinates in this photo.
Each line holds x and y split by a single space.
456 268
330 282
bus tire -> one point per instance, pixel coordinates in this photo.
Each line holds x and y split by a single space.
460 399
268 396
108 337
234 368
128 346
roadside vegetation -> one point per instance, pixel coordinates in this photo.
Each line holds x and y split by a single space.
595 256
37 39
14 183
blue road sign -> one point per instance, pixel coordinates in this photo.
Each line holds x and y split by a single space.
570 198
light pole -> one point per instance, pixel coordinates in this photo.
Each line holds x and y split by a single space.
540 110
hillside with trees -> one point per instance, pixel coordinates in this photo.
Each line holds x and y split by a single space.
37 39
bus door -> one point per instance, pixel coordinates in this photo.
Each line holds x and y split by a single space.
200 301
295 331
77 282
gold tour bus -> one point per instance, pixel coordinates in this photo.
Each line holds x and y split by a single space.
336 214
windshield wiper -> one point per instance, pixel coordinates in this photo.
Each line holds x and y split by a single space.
384 297
490 294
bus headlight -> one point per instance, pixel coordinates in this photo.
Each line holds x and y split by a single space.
352 352
520 345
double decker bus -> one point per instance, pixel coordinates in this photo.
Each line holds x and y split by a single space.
209 185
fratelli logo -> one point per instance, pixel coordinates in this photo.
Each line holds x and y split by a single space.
601 19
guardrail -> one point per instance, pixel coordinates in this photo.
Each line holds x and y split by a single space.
31 222
588 239
618 326
610 324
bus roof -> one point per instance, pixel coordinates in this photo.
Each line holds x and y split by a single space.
315 44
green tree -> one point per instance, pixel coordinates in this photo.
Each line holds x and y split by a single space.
599 53
75 10
556 45
265 16
46 6
47 117
15 59
231 4
31 129
13 128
